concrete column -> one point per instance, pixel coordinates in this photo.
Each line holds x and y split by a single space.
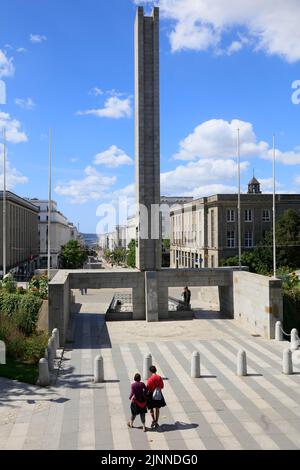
241 364
147 138
195 365
294 339
163 300
55 334
59 305
44 377
278 331
287 363
151 296
98 369
138 300
147 363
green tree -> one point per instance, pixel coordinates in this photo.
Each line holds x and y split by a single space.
131 254
73 255
260 259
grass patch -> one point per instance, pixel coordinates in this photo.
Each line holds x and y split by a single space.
16 370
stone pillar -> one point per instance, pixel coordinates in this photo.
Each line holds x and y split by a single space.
44 376
98 369
147 363
241 367
195 365
151 296
147 140
59 305
138 299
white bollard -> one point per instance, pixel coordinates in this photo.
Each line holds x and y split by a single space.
294 340
287 363
44 377
53 345
241 369
55 334
147 363
195 365
50 351
98 369
2 353
278 331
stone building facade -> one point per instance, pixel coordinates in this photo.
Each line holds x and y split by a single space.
22 238
205 231
62 231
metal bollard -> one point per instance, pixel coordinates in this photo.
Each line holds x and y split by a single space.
294 340
98 369
55 334
287 363
147 363
241 369
278 331
44 377
195 365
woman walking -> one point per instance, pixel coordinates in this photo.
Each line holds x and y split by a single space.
156 399
138 401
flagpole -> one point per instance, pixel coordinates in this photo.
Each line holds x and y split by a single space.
274 210
49 203
4 202
239 199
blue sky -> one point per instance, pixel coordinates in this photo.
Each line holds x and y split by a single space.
69 65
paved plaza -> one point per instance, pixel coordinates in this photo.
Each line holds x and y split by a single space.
217 411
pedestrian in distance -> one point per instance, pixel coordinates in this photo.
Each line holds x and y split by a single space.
186 296
138 401
156 399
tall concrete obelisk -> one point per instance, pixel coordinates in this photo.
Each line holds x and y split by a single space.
147 140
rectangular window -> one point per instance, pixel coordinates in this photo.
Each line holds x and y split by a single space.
248 215
212 227
266 215
230 239
248 240
230 215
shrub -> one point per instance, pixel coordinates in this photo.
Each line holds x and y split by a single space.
291 309
6 327
8 283
15 344
9 303
39 286
35 347
26 317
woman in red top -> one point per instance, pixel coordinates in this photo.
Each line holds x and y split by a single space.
156 399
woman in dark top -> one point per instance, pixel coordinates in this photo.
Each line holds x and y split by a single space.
138 401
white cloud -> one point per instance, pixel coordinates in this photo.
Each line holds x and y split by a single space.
114 108
12 126
291 157
96 91
21 49
27 103
113 157
273 25
13 176
37 38
7 68
194 176
217 138
74 160
94 186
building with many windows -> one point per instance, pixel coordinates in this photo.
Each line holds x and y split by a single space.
205 231
22 238
62 231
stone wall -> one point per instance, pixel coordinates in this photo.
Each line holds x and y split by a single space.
257 302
